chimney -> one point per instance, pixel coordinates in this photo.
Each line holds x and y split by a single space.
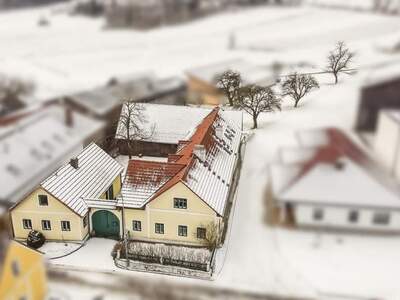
74 162
200 152
69 118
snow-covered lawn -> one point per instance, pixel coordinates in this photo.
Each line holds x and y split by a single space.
57 249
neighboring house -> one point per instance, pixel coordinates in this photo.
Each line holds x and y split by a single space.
22 273
381 90
166 126
105 103
59 206
335 184
202 81
34 143
387 141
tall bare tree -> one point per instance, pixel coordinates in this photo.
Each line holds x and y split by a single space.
255 99
229 82
132 125
296 86
339 59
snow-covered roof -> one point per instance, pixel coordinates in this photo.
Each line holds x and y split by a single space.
143 179
249 72
211 178
209 175
95 173
171 123
348 185
141 88
35 144
377 76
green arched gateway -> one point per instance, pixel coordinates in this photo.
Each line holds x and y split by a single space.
105 224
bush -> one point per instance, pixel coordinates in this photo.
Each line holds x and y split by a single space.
35 239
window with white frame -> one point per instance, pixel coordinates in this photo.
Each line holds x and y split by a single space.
15 267
136 225
110 193
65 226
353 216
159 228
27 223
46 225
201 233
182 230
43 200
180 203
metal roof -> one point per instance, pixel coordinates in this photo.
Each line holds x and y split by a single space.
96 172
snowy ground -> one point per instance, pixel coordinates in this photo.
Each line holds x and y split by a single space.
256 257
75 53
54 249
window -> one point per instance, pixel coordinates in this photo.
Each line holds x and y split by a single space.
46 225
381 218
43 201
110 193
180 203
27 223
136 225
15 268
201 233
85 221
318 214
159 228
65 226
182 230
353 216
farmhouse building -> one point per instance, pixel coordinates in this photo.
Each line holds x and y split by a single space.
202 81
174 201
335 185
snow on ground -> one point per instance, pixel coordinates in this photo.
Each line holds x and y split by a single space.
58 249
75 52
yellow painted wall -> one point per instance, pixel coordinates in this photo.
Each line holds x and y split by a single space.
116 187
31 282
56 212
201 92
161 210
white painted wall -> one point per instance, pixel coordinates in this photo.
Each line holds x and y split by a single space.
337 217
386 144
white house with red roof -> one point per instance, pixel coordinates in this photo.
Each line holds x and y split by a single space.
334 184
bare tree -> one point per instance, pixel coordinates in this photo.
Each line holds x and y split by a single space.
339 59
213 235
296 86
132 125
255 99
229 82
11 89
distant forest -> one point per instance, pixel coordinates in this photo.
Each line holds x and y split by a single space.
25 3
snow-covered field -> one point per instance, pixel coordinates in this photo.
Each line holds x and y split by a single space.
76 53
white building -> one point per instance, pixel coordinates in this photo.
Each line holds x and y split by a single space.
336 185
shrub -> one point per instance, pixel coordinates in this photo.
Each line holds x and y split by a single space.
35 239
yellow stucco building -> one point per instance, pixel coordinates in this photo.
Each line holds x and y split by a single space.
23 274
173 201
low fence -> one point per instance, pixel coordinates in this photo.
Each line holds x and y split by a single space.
205 267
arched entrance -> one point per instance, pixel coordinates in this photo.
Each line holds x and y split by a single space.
105 224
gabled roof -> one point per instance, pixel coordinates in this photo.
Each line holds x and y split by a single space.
143 179
209 177
96 172
339 173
